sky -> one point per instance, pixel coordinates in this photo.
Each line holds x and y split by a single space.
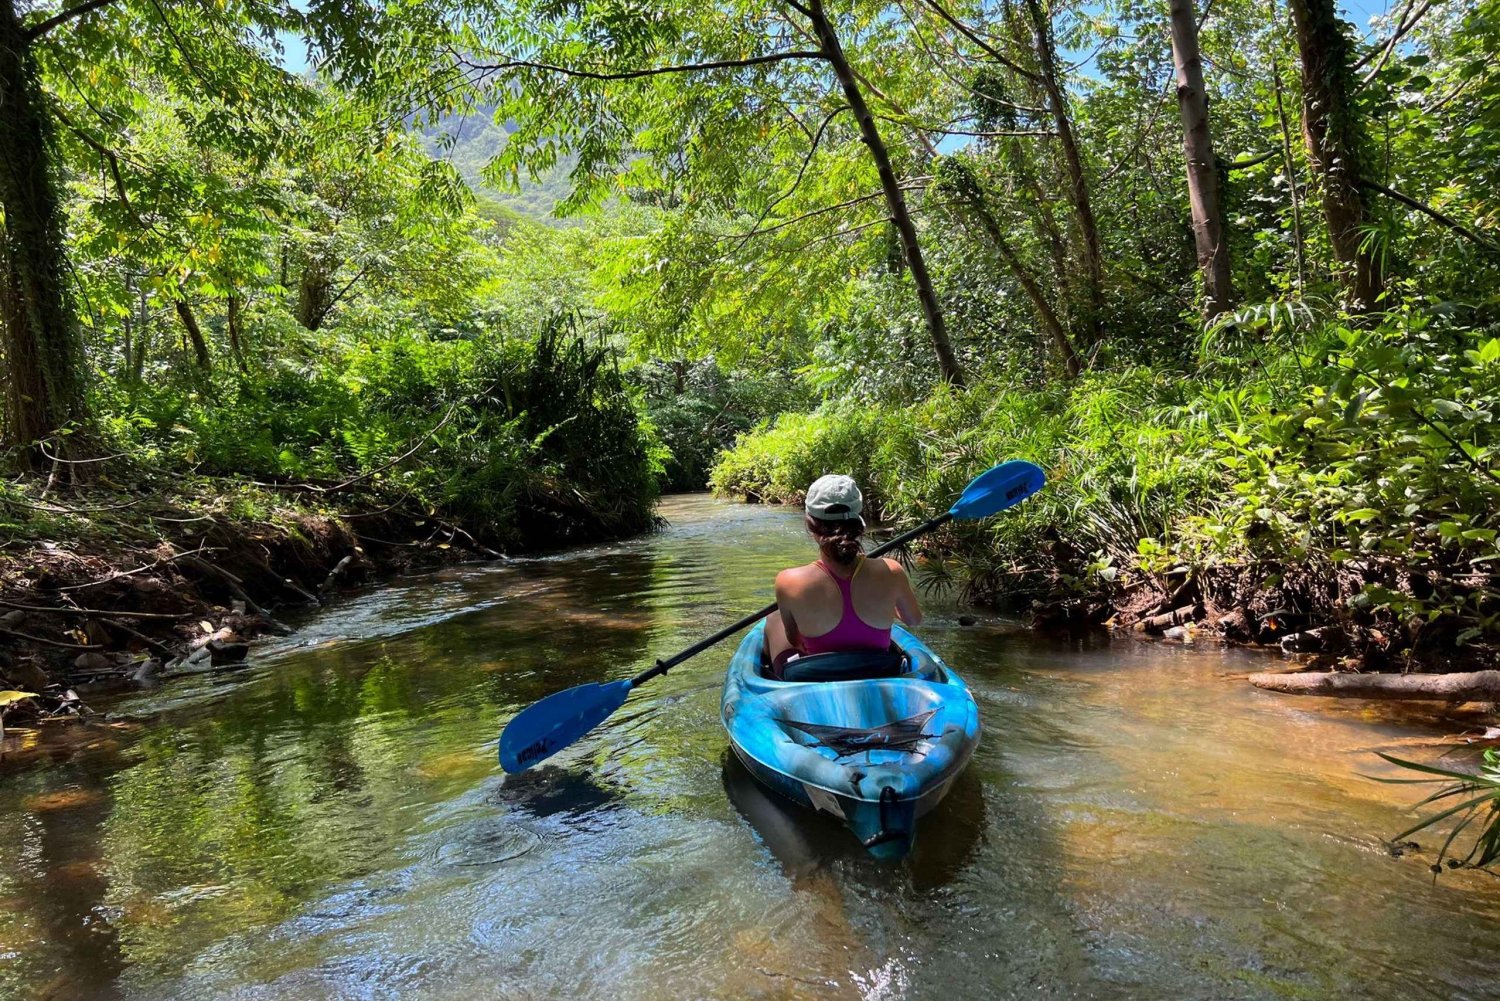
1357 12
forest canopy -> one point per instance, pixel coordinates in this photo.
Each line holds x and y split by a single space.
1228 268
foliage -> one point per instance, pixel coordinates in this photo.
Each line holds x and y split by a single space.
1122 465
698 410
524 440
1368 449
1478 794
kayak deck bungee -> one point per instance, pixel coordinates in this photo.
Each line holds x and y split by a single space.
877 752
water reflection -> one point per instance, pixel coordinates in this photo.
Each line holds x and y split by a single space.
806 843
331 823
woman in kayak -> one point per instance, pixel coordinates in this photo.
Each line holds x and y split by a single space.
841 602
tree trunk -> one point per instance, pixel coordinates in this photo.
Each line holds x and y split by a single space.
1468 686
1333 131
1078 186
44 385
1202 172
233 321
974 201
1291 177
314 292
194 332
828 40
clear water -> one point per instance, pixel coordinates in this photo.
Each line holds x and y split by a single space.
331 823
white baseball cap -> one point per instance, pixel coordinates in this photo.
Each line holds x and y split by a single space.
834 498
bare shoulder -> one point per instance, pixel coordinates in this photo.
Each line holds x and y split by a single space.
893 566
794 579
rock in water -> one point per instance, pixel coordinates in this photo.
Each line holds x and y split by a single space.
221 652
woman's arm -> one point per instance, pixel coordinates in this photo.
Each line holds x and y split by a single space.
785 591
907 608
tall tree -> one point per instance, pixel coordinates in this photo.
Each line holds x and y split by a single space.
911 247
684 101
44 388
1202 168
1050 79
1333 128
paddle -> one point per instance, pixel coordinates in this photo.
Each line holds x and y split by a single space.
546 727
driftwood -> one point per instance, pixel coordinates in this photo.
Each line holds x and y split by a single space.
335 573
1176 617
1468 686
286 583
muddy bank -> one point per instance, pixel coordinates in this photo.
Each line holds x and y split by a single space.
133 589
1323 615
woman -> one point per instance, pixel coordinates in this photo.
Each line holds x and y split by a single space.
842 602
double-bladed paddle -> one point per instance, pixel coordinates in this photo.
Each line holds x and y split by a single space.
546 727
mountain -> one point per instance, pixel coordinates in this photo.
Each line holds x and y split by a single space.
470 142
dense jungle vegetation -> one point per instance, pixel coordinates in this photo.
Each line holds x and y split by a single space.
1228 271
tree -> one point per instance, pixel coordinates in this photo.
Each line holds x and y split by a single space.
684 100
1333 128
44 392
75 87
1202 168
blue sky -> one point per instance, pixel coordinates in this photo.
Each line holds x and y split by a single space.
1358 12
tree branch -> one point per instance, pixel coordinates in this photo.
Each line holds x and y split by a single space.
974 37
1407 21
817 139
773 57
111 158
1245 163
945 130
1433 213
452 409
815 212
338 297
63 17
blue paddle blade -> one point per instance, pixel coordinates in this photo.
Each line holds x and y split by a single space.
546 727
996 489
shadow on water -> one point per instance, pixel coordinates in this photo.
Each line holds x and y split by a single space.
553 791
805 841
331 822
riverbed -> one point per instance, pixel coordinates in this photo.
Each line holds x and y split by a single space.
331 822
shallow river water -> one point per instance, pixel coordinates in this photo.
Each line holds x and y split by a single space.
1137 823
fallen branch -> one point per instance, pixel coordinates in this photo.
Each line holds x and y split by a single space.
46 642
1468 686
335 573
59 509
234 584
99 612
148 566
160 647
1176 617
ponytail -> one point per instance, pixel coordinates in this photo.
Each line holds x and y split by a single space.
838 540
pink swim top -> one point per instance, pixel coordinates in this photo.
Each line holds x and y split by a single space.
852 632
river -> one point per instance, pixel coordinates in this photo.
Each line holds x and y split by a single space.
331 823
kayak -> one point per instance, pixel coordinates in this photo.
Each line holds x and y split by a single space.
873 738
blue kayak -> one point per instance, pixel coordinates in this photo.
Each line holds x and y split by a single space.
875 739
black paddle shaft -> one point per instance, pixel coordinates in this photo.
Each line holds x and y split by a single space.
663 666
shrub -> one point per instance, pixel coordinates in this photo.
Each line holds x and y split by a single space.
1364 455
524 440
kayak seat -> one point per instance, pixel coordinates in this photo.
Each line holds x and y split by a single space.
848 665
